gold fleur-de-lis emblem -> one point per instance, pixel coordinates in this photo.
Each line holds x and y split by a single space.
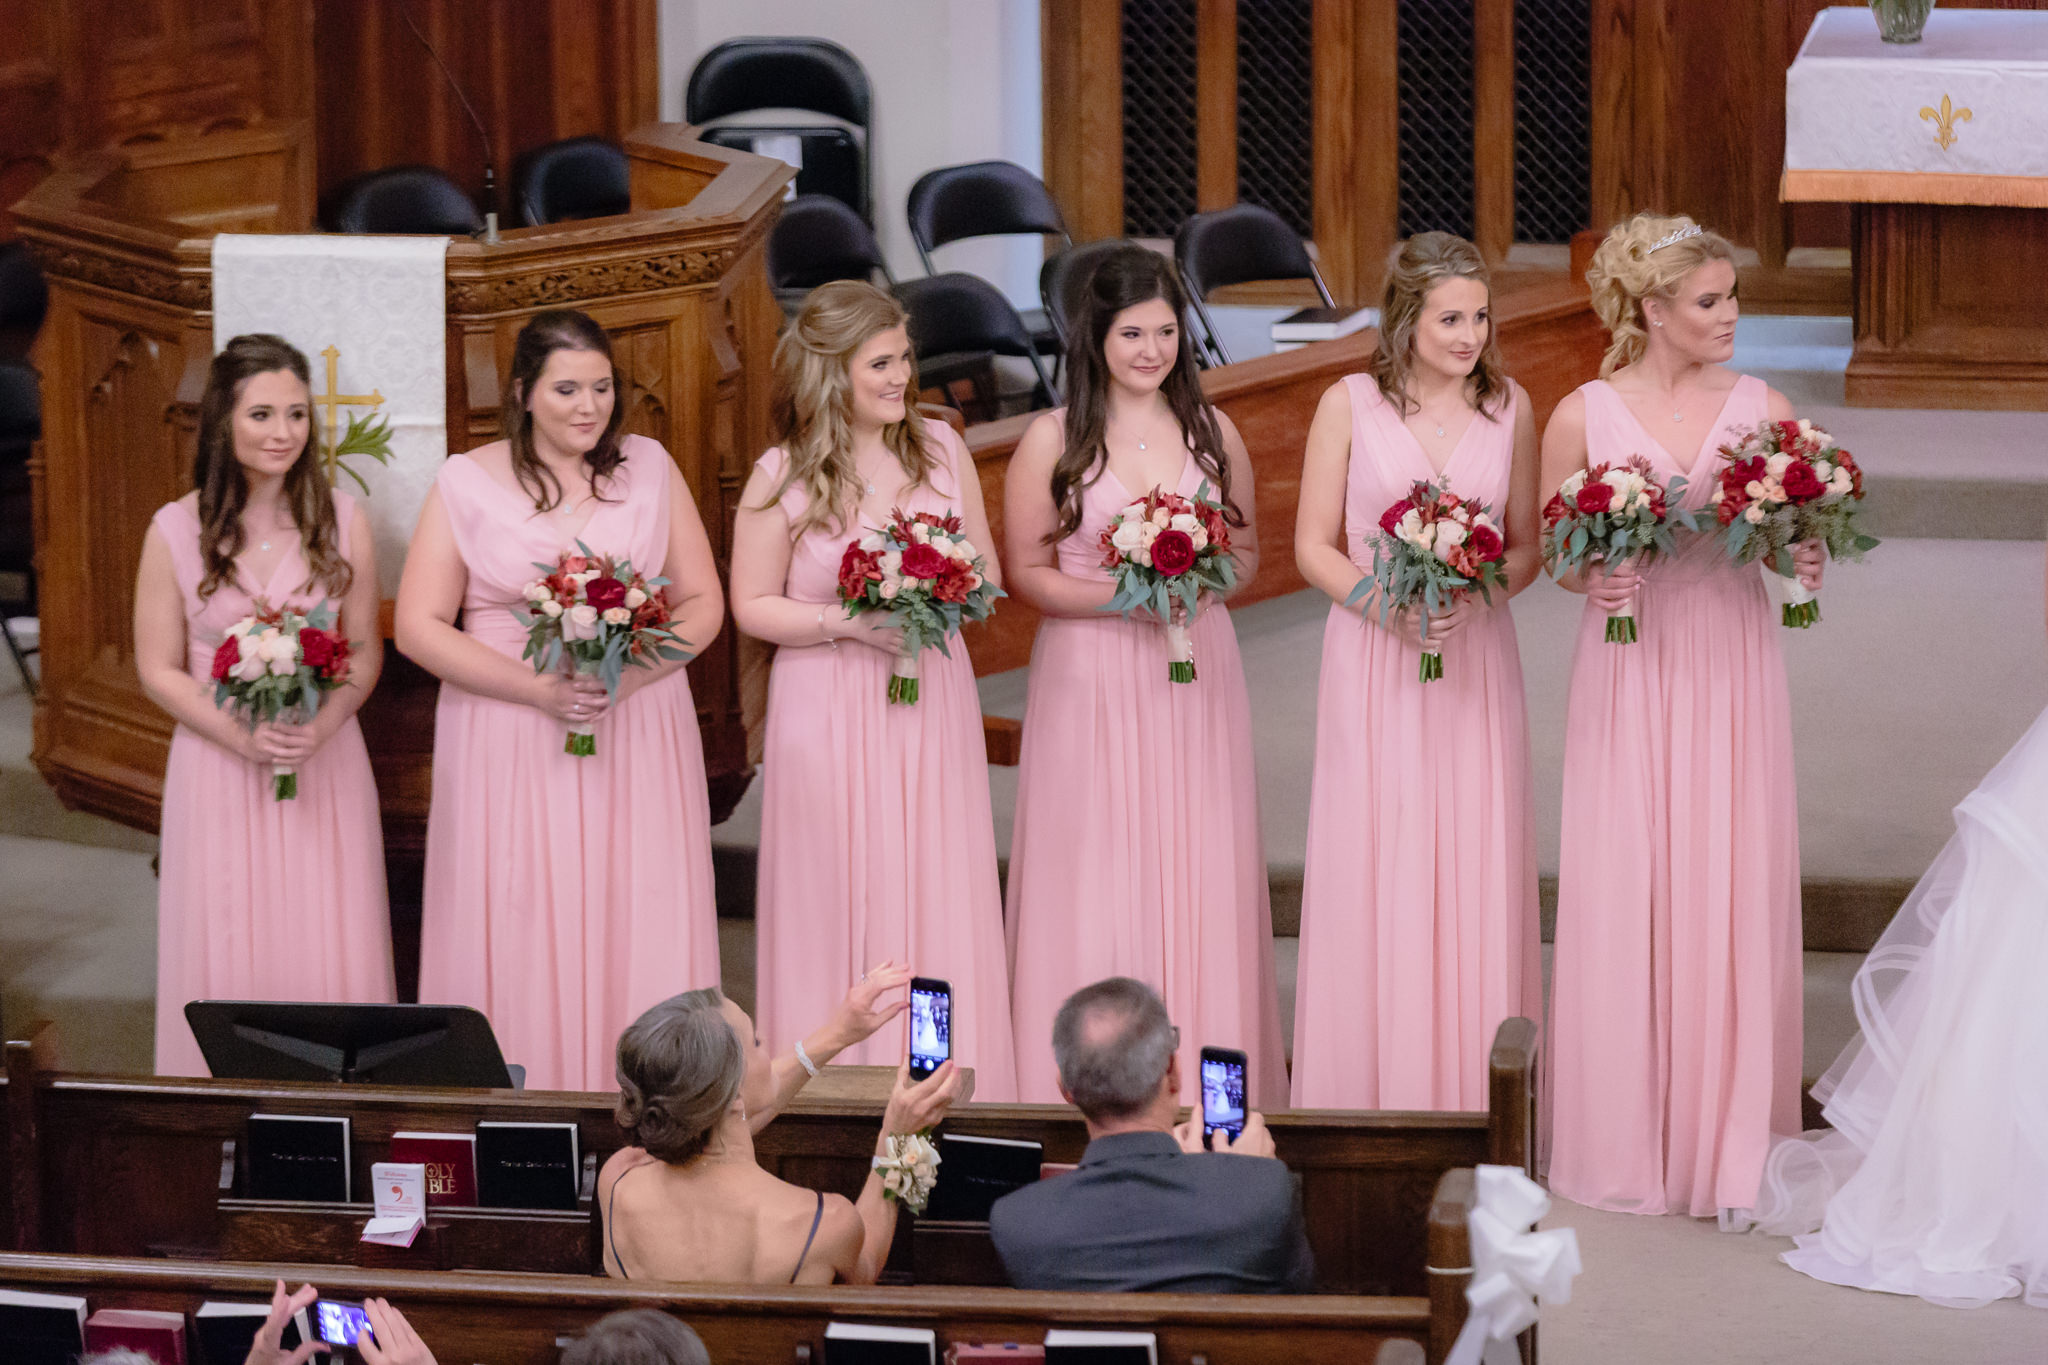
1945 120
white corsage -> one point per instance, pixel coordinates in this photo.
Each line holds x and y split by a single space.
909 1170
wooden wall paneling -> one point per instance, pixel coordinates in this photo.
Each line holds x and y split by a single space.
1080 44
1215 104
1356 137
31 100
1493 127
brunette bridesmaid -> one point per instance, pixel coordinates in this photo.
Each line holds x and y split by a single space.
877 843
1418 920
1676 989
564 894
1136 849
259 898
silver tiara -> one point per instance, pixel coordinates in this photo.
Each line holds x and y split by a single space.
1694 231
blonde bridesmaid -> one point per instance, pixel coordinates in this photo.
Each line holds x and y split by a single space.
877 842
1418 920
1676 987
564 894
260 898
1136 848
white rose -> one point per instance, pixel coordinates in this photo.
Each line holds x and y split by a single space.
1449 535
243 627
1639 502
1843 481
1135 512
1774 490
1184 521
1199 539
1147 533
1778 463
920 533
277 646
1752 514
537 591
890 587
1823 471
250 667
973 581
551 608
1143 558
617 616
1161 517
579 579
1805 427
1616 478
964 551
1754 488
1573 482
873 542
1127 536
1409 526
635 599
283 668
580 622
892 563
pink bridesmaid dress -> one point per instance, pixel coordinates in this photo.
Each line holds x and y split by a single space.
876 837
564 895
1136 849
1419 929
261 899
1676 985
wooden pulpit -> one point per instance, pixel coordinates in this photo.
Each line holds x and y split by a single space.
125 238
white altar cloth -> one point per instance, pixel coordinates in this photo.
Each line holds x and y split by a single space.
1960 117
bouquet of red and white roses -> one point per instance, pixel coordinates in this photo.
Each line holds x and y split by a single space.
1434 550
1163 551
926 574
1784 483
276 664
1614 513
602 614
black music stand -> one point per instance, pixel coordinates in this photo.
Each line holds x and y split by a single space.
257 1040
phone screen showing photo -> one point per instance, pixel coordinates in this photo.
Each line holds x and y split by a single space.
931 1027
1222 1096
338 1323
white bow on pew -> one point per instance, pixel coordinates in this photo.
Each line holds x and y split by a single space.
1512 1266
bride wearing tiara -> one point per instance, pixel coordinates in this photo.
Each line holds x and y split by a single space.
1933 1179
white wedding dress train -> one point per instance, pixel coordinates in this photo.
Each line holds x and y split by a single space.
1934 1178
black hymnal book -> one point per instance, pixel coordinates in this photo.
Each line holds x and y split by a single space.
527 1165
300 1157
41 1329
1321 324
974 1172
860 1343
226 1331
1066 1347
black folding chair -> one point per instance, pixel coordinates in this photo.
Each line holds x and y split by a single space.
20 425
416 199
1063 280
958 322
985 199
817 240
743 75
1234 246
578 177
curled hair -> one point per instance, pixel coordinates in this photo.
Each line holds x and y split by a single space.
812 410
1417 266
224 485
637 1336
679 1067
558 329
1112 1042
1625 271
1125 278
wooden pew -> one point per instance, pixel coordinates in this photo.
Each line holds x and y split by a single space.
117 1166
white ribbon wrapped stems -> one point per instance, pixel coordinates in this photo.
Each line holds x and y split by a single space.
1512 1266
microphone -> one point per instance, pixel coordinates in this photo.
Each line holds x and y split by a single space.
483 135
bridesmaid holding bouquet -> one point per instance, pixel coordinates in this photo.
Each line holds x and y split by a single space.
877 843
260 898
564 894
1676 987
1418 921
1136 849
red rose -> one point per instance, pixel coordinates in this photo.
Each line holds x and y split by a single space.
316 648
1595 497
1847 461
226 657
605 593
953 580
338 665
922 561
1173 553
1486 544
1391 518
1801 485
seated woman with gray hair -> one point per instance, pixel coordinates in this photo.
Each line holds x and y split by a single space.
687 1201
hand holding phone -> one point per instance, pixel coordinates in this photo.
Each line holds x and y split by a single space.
338 1322
1223 1085
931 1025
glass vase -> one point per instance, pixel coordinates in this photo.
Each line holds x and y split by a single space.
1901 21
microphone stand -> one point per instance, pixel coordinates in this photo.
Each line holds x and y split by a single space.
483 135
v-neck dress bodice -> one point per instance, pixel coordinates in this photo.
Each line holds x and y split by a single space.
564 895
877 838
1676 985
1136 848
261 899
1419 926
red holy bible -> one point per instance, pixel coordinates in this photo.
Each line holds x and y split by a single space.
450 1159
160 1336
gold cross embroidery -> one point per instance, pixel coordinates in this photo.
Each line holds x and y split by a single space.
331 402
1945 120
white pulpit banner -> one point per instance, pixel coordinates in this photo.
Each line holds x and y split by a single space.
371 315
1960 117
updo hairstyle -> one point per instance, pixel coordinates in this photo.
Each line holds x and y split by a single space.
679 1067
1625 271
1417 266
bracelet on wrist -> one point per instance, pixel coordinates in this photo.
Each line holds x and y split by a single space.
803 1059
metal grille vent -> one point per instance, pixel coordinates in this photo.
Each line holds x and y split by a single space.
1159 115
1436 116
1275 167
1553 119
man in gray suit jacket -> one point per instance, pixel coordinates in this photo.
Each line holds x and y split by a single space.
1149 1208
